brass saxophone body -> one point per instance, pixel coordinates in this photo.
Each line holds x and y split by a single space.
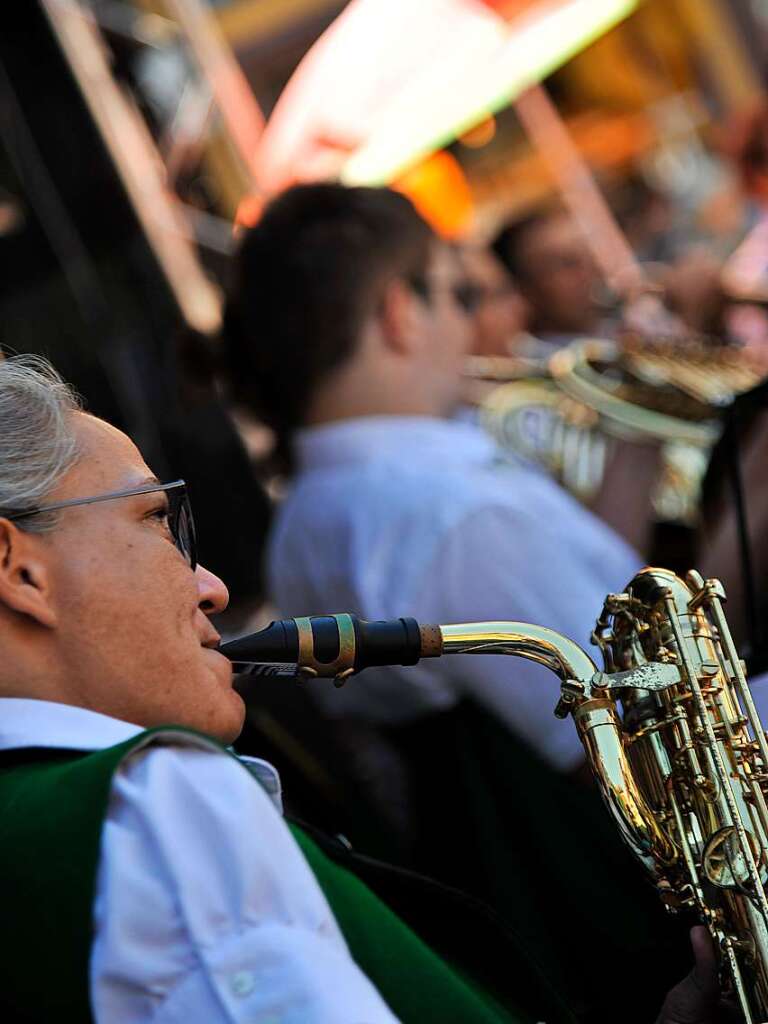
668 725
678 750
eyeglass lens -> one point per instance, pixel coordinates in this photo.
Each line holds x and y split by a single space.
183 527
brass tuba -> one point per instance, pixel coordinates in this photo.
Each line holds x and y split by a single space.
569 413
668 725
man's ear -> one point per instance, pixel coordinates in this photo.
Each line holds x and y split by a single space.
400 317
25 585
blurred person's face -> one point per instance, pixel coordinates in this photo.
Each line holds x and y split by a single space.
560 277
501 312
446 325
131 616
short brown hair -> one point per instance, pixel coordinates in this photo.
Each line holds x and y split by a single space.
307 276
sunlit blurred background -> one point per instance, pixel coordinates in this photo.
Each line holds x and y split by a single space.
136 136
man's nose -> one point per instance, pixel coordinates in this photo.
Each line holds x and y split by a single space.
212 593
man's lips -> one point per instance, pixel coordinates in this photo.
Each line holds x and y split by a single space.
223 665
212 641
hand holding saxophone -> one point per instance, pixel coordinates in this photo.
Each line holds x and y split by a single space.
668 725
697 999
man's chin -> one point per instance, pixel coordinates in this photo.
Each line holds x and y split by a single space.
220 710
229 718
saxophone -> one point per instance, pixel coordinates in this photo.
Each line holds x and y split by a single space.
668 724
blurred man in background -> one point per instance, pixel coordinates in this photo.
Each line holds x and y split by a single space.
547 258
348 331
501 313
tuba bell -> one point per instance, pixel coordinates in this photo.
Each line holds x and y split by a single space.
569 413
668 725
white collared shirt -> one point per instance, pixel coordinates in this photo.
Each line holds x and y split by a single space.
392 516
205 908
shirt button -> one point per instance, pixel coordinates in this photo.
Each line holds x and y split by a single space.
242 983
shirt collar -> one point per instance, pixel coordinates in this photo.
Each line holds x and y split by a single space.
28 723
43 723
423 438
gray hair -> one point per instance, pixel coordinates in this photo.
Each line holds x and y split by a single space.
37 440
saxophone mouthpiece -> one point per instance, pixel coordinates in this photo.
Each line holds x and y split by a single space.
333 646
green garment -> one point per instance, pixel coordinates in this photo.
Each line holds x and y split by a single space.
542 849
52 806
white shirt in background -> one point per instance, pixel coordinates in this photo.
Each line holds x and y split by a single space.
205 908
415 516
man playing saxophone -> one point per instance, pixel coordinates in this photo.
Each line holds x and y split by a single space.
147 874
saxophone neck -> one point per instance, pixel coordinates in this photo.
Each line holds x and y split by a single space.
584 693
523 640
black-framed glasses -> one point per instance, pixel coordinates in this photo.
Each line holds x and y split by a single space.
467 294
180 520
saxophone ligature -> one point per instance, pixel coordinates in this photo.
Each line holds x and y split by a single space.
668 724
